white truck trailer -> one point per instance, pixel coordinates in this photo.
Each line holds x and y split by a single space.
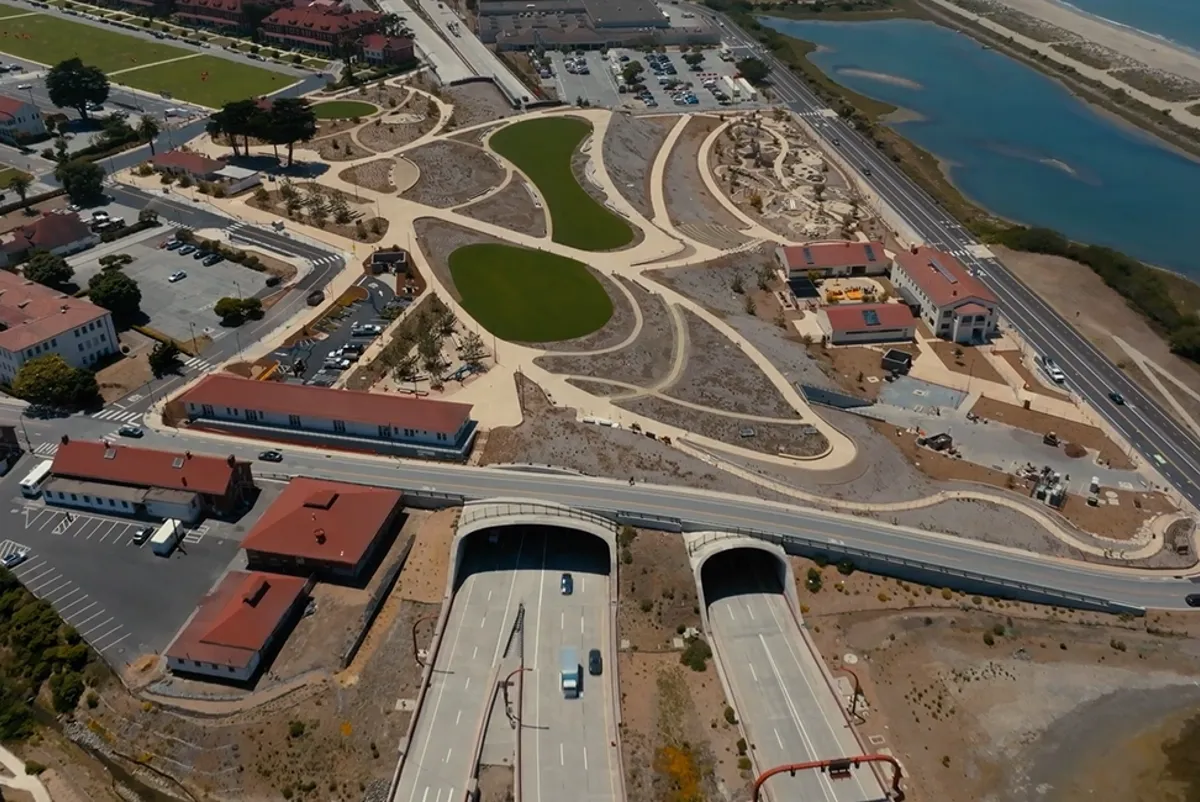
570 672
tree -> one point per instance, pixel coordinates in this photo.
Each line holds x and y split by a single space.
695 58
406 368
473 350
49 270
83 180
50 381
148 216
116 128
215 128
117 293
753 70
147 130
164 359
20 185
241 118
73 85
234 311
291 120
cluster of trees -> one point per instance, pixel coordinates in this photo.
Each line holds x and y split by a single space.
49 381
1144 287
320 201
82 179
416 345
235 311
110 288
39 649
164 359
286 121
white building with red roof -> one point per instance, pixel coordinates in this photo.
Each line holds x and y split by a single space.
953 303
385 423
833 259
59 233
20 120
844 324
36 321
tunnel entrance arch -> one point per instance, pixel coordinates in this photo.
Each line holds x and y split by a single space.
736 565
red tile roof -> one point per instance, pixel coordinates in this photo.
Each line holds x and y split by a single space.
31 313
224 5
971 309
234 622
51 230
827 255
946 286
144 467
324 403
853 317
193 163
383 43
333 522
11 105
319 18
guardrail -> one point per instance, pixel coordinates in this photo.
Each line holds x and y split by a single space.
486 510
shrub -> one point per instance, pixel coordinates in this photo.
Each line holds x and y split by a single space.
730 716
947 594
845 568
744 764
988 639
92 699
741 746
1119 645
33 767
814 581
626 556
295 729
999 630
695 655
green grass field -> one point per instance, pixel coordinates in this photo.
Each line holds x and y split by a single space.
528 296
8 174
343 109
542 149
12 11
225 80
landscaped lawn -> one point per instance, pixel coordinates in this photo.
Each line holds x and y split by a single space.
49 40
528 296
343 109
207 80
12 11
7 174
542 149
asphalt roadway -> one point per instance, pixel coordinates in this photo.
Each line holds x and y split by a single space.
1173 450
787 708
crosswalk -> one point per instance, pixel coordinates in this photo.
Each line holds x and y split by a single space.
199 365
117 414
46 449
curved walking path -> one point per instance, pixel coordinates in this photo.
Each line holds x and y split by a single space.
752 228
20 781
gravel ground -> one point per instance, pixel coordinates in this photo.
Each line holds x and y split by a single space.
990 523
439 239
579 164
452 173
646 361
597 388
687 197
770 438
376 175
382 136
614 332
709 284
718 374
477 103
340 148
630 146
552 436
512 208
477 136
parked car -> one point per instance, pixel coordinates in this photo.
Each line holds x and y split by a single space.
178 275
186 249
212 259
1193 600
13 559
173 244
271 456
129 430
142 535
202 254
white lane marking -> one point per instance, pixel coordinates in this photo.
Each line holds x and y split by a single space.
34 588
778 740
562 620
753 673
482 622
80 600
101 624
585 766
114 643
582 619
425 795
562 760
448 753
468 685
729 607
90 617
474 652
458 718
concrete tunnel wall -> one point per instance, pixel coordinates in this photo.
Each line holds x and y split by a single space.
703 546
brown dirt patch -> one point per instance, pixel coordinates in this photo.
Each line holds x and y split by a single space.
1031 382
424 576
124 376
856 369
512 208
967 360
673 733
477 103
496 783
328 128
452 173
687 197
340 148
1099 313
658 589
376 175
72 775
382 136
1030 420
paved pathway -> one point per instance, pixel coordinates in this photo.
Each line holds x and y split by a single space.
20 780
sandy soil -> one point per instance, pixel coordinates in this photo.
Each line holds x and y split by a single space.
1025 717
1087 436
125 375
688 199
971 362
631 145
654 573
376 175
477 103
341 147
1032 383
382 135
512 208
645 361
452 173
425 574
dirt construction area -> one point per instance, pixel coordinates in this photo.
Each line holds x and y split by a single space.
511 207
631 145
995 700
452 173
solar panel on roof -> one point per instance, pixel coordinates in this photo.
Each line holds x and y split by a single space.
870 253
871 317
808 257
946 274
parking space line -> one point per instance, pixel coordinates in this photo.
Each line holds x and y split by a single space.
34 588
114 643
80 600
28 570
109 532
90 617
61 599
39 576
56 589
83 528
96 642
103 623
81 612
49 519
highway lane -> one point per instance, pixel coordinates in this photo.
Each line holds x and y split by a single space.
788 710
1144 424
439 761
566 751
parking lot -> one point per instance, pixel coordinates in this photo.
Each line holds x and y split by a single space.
180 308
600 85
337 333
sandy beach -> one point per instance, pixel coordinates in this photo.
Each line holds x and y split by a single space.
1152 52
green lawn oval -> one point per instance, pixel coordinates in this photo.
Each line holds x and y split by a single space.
531 296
